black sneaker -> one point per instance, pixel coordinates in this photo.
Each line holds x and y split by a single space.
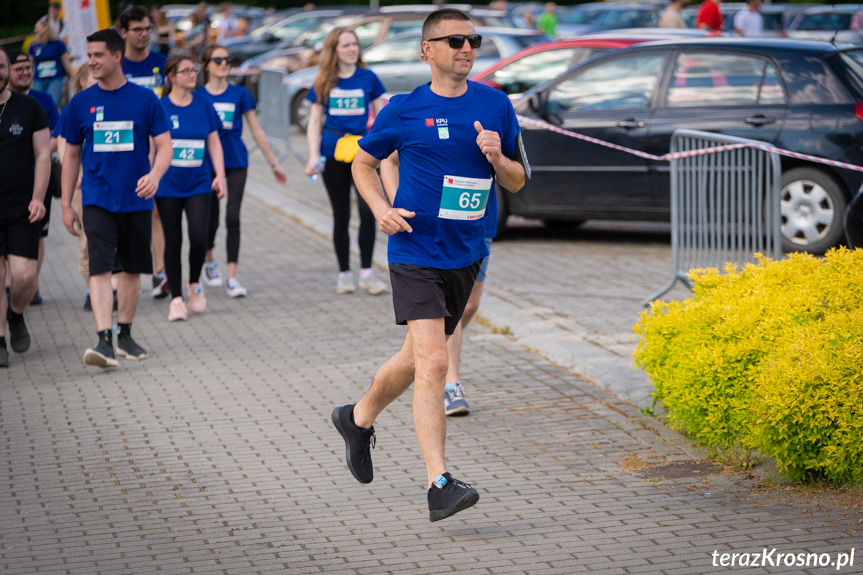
160 285
101 356
87 304
19 335
37 298
358 443
4 357
126 347
448 496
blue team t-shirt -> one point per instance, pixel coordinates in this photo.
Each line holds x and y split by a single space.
48 104
445 178
189 174
113 128
230 105
148 73
346 110
46 59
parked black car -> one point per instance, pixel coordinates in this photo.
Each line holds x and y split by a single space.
803 96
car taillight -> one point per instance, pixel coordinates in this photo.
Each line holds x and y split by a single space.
855 21
858 111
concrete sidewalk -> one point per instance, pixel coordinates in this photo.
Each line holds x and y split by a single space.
216 454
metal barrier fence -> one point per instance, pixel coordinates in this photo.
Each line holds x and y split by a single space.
274 112
724 205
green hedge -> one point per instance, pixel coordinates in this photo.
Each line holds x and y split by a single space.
770 358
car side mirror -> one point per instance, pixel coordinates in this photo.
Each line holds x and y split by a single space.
536 101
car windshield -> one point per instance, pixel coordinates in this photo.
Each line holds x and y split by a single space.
772 21
825 21
620 18
580 15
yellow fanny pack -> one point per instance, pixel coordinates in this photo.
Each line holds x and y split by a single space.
347 148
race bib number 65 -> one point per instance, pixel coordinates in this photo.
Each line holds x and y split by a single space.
464 198
113 136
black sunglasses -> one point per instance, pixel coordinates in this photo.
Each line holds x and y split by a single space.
219 60
456 41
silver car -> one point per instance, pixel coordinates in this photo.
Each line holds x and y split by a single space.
831 23
396 61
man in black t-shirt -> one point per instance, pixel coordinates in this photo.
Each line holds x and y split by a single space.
24 142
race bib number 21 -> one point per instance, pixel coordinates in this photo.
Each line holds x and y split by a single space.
113 136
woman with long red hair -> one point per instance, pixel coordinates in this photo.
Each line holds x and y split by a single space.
343 92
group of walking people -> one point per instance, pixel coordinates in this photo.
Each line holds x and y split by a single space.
441 150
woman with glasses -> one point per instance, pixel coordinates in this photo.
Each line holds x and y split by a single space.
234 105
186 186
343 92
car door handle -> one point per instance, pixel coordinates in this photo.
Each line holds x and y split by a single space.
759 120
630 123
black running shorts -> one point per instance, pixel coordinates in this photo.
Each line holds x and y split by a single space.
421 292
18 237
121 237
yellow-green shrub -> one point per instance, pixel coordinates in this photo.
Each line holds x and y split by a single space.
723 362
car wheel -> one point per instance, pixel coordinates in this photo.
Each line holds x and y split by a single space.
301 109
813 207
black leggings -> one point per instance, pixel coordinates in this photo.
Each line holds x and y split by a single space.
339 181
197 210
236 186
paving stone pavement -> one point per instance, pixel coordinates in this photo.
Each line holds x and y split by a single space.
216 454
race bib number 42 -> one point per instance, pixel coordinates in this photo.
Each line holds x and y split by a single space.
187 153
464 198
113 136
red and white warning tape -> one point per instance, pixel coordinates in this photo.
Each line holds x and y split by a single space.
689 153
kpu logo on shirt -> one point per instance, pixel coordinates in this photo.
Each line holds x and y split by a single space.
99 111
442 128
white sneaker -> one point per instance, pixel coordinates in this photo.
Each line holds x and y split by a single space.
345 283
372 283
212 275
235 288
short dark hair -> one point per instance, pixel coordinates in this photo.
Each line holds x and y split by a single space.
133 14
438 16
112 39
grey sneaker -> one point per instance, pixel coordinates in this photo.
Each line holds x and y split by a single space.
235 289
359 443
101 356
454 402
345 283
212 275
448 496
372 283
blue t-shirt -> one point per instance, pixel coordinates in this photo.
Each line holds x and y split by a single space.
149 72
113 129
346 110
48 104
230 105
445 178
189 174
46 59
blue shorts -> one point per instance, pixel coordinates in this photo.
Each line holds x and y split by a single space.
483 268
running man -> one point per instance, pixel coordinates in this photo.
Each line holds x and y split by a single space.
115 119
24 142
454 139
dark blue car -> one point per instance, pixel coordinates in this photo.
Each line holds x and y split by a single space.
803 96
